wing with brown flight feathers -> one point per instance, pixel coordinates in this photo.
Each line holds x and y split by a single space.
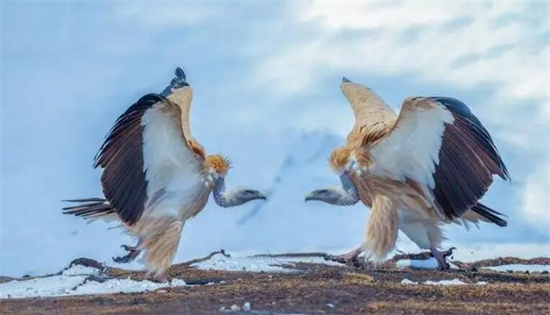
438 143
122 158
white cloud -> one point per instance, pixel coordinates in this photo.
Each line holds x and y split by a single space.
360 15
463 45
161 16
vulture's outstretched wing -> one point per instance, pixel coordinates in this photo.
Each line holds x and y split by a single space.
440 144
370 111
142 153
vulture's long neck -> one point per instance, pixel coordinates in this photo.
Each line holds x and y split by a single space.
219 193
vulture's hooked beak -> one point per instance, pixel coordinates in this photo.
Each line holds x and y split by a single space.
312 196
252 194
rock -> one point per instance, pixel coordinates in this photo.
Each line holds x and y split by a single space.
87 262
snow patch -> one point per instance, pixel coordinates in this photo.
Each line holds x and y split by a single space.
440 282
235 308
74 281
417 264
79 270
40 287
520 267
407 281
420 264
259 264
445 282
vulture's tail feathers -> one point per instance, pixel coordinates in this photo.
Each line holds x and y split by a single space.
490 214
89 208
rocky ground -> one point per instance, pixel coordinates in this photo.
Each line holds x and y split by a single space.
315 288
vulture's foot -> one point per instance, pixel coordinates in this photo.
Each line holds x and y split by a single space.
161 278
133 252
346 258
441 257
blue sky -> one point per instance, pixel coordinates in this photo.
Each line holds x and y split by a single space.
265 76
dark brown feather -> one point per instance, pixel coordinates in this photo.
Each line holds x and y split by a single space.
468 159
121 156
90 207
490 214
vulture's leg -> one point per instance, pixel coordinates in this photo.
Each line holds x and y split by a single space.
133 252
441 257
347 257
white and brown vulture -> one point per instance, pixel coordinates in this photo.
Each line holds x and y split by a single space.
156 176
430 165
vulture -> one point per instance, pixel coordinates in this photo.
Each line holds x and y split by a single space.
426 167
156 176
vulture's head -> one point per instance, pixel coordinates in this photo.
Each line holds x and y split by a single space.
217 167
336 195
242 195
328 195
178 85
342 162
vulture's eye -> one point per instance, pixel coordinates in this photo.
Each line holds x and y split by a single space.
322 191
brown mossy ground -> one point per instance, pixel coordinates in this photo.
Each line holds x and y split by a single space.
314 289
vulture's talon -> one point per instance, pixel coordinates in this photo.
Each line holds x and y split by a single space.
122 259
441 257
129 248
346 258
448 252
133 252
